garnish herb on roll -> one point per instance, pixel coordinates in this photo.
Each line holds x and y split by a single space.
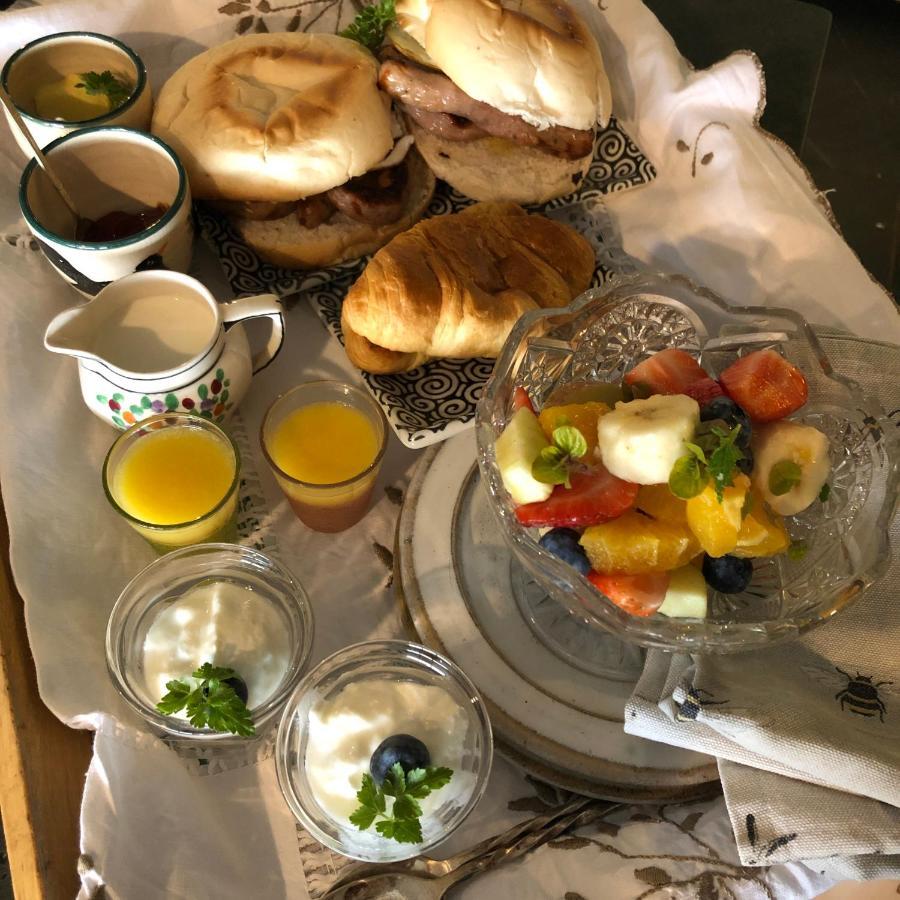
502 98
369 27
289 136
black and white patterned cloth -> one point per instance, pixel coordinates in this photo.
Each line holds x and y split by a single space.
437 400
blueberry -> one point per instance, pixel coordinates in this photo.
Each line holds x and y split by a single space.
563 542
405 749
727 574
728 411
239 686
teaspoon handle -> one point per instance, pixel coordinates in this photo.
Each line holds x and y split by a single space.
586 811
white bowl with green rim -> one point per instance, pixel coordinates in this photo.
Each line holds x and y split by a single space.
55 56
109 169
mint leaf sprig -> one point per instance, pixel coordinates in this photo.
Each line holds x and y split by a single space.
370 24
403 823
715 456
552 464
105 83
210 704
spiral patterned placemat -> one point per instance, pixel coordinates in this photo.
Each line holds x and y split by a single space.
437 400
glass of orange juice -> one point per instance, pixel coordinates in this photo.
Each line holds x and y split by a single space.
174 478
325 441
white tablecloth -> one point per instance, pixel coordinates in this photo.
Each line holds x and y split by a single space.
733 210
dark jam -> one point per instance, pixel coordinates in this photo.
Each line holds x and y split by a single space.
116 225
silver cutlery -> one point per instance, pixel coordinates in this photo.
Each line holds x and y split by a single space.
430 879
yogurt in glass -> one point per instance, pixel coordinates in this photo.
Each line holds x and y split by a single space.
345 708
346 729
223 623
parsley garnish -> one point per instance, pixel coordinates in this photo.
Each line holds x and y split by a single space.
211 704
784 476
105 83
552 464
724 459
825 493
370 24
407 788
715 456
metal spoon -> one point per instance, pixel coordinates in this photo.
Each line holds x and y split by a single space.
435 878
6 100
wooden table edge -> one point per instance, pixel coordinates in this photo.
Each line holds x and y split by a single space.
42 762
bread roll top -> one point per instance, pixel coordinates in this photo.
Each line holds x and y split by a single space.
530 58
275 116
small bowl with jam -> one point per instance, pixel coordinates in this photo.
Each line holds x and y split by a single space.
134 204
76 79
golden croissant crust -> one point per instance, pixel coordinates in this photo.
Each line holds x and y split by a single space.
454 286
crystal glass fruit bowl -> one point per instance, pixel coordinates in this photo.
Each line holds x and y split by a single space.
607 331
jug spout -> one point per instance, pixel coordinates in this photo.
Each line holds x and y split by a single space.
72 332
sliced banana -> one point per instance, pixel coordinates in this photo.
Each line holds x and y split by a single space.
641 440
517 448
790 442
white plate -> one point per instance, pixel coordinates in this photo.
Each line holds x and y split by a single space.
557 721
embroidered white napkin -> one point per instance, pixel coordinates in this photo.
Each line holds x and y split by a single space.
819 716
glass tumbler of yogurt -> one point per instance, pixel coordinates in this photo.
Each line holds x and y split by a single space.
351 705
218 603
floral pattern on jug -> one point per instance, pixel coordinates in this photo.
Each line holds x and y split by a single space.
210 402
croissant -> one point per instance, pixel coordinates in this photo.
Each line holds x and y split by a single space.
454 286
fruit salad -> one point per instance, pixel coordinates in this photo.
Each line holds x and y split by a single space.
670 484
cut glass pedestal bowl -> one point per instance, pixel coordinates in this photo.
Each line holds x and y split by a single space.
604 333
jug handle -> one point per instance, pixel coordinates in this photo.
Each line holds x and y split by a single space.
261 306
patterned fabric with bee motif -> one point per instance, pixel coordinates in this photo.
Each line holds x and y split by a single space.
807 733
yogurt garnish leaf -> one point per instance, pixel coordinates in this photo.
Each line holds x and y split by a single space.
211 703
402 823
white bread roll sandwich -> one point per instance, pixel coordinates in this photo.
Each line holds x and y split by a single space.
289 136
503 96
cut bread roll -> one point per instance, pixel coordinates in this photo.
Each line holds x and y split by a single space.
454 286
492 168
285 242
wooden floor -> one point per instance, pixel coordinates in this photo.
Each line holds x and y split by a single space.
42 763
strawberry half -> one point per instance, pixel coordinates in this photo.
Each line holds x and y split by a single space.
522 400
667 372
704 390
595 496
765 385
640 595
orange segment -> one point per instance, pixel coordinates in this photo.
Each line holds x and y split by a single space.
583 416
634 544
658 501
762 531
716 525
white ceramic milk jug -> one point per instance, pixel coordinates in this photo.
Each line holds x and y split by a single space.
158 341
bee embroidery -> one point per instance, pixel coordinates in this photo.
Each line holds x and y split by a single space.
689 708
861 695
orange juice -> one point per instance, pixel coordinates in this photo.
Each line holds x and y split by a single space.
325 452
178 482
324 443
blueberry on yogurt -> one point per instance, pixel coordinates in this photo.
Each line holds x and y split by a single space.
405 749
